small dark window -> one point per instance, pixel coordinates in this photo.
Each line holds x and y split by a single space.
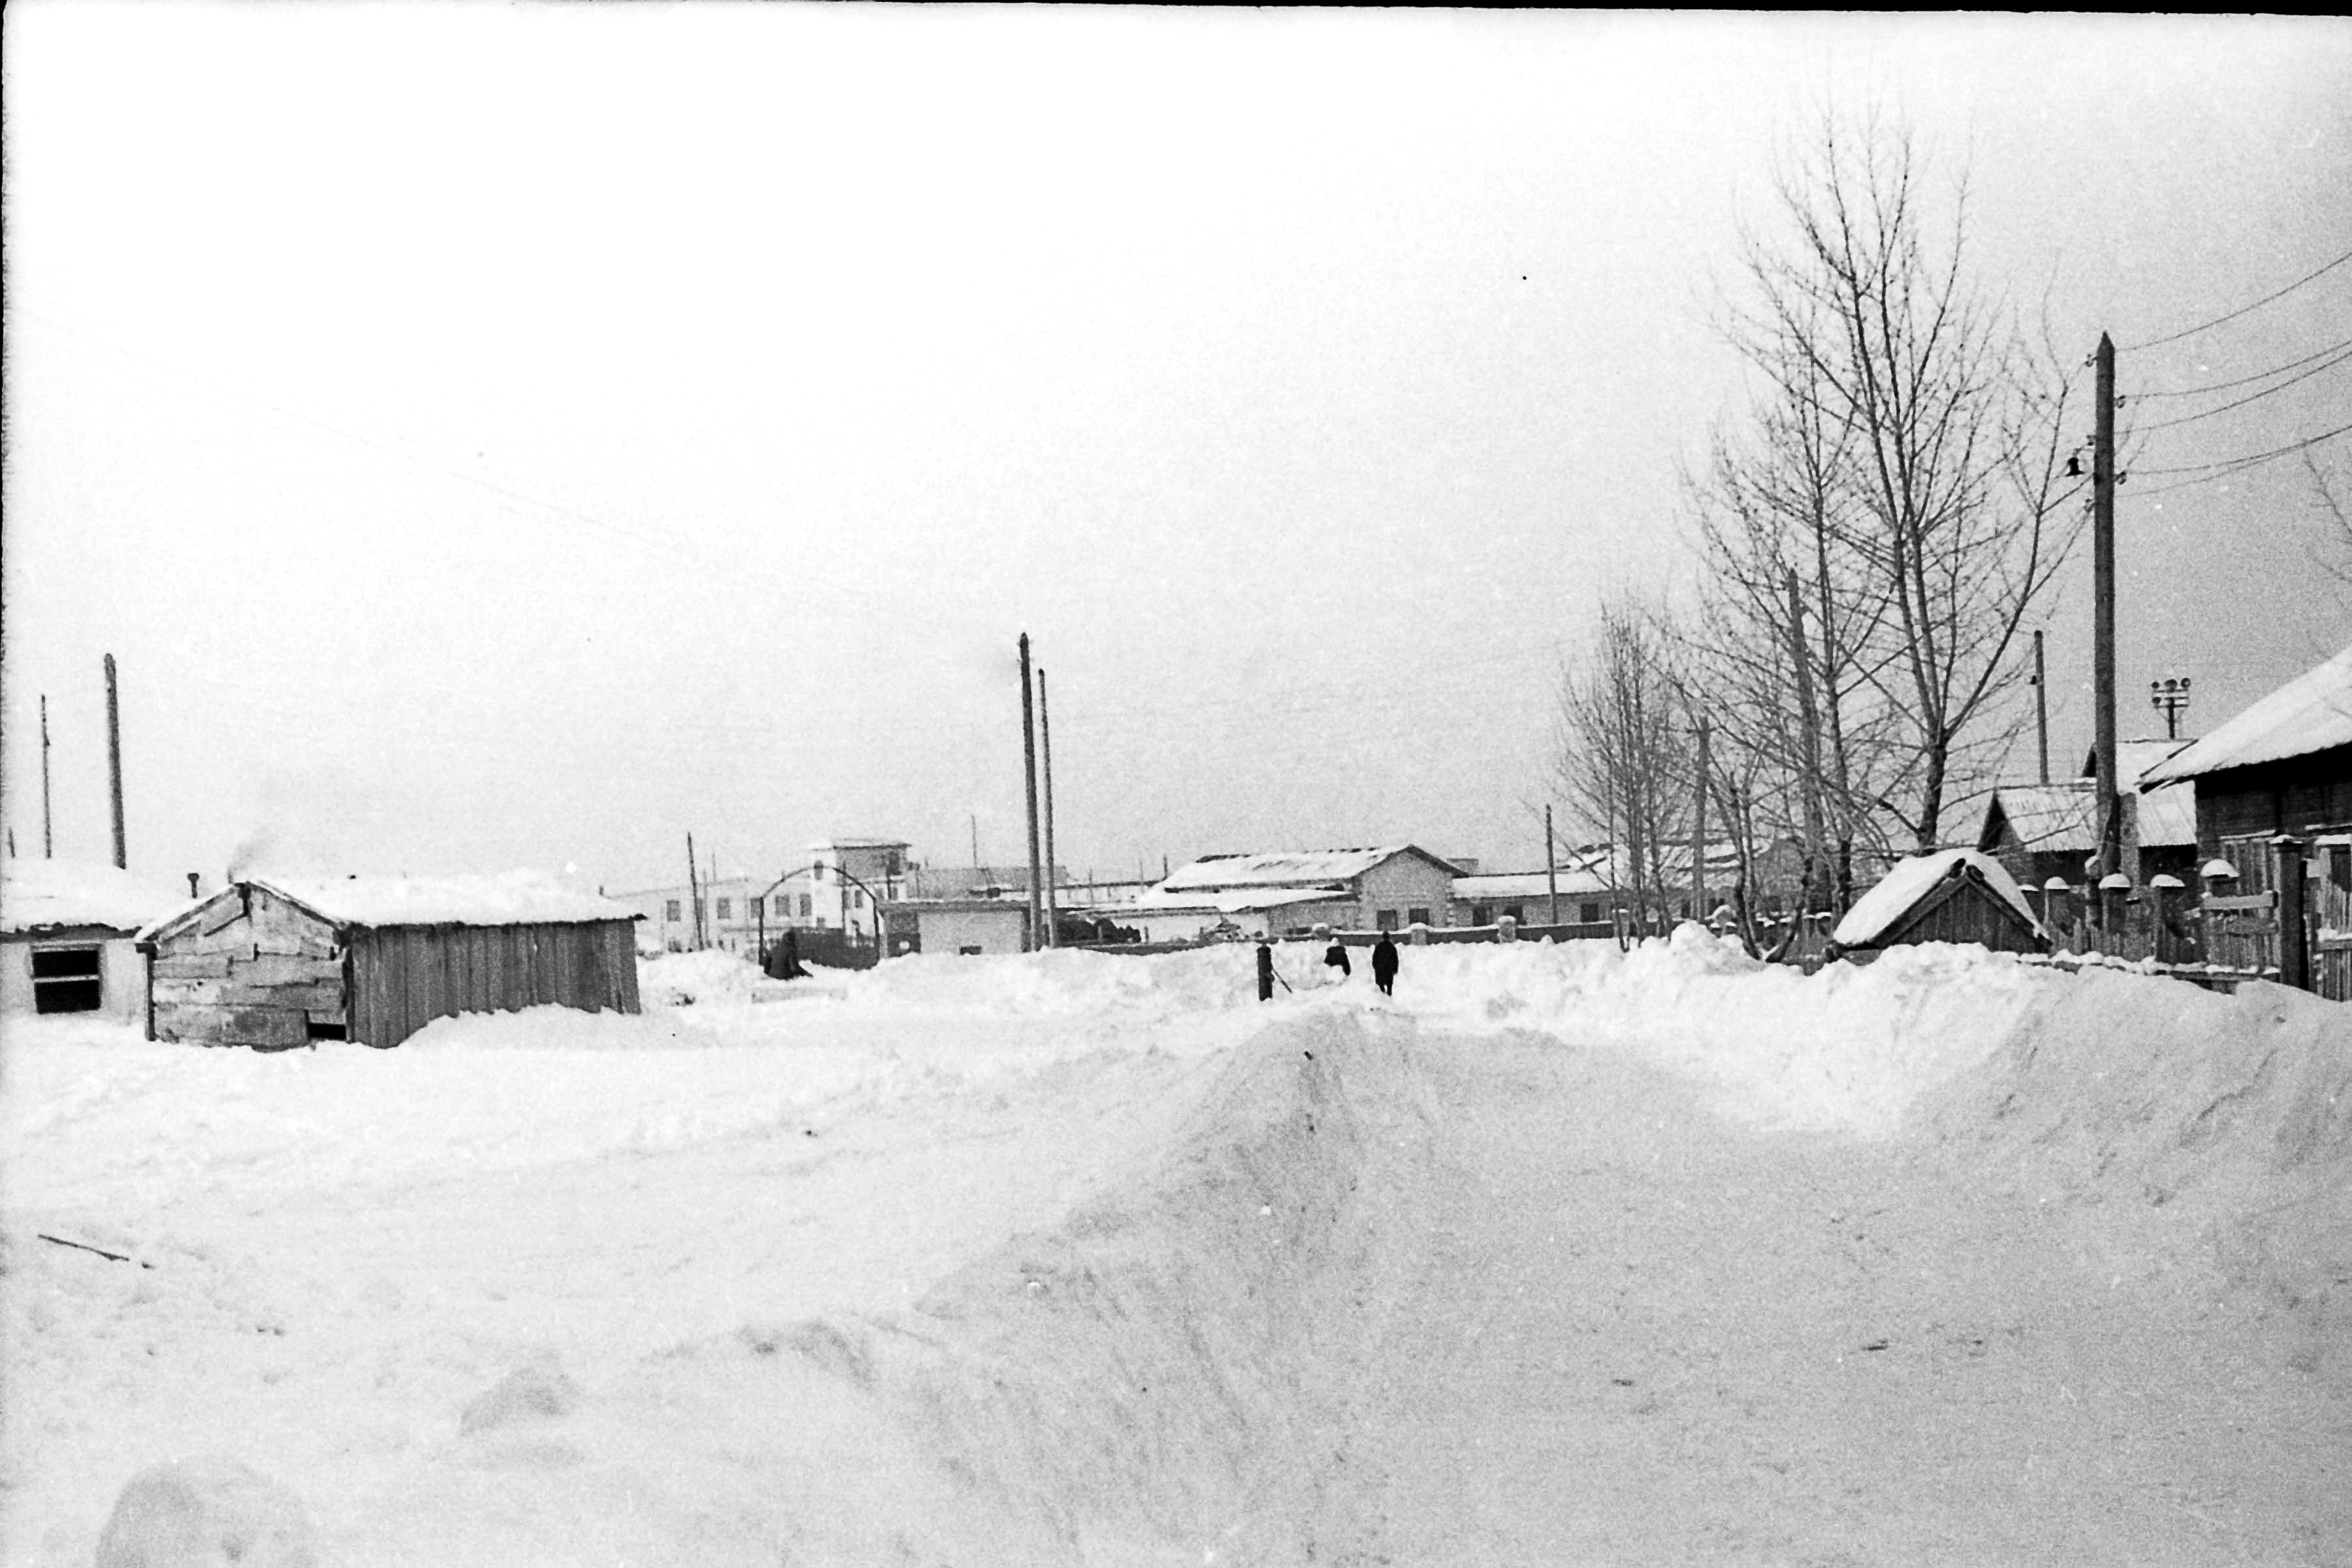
968 952
805 906
1589 913
672 911
726 909
1416 917
1482 914
1518 912
1385 920
323 1029
66 980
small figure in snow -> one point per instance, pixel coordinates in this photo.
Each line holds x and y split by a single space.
785 958
1335 958
1264 971
1384 965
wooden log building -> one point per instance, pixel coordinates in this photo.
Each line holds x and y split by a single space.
1952 895
273 963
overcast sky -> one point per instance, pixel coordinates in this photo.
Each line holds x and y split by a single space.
517 435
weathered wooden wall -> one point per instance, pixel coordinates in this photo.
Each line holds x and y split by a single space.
1964 911
256 971
2291 797
403 977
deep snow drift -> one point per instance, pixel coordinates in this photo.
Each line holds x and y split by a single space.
1564 1255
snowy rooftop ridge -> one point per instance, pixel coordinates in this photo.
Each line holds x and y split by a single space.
518 898
1875 911
2311 712
1284 868
50 894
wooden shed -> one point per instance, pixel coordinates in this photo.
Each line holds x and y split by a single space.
274 962
66 930
1952 895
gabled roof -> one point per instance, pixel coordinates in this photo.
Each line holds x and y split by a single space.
521 898
2311 712
1289 868
1877 911
1222 901
38 895
2046 818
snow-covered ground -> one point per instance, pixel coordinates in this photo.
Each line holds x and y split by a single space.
1563 1255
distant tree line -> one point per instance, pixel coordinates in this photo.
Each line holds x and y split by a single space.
1873 528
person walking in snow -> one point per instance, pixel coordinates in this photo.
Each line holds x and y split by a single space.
1264 971
1384 965
1335 958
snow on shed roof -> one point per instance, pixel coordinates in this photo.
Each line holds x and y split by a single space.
519 898
2047 818
2311 712
1222 901
1285 867
1487 885
50 894
1909 880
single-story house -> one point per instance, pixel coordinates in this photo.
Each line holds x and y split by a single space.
67 937
967 925
2281 765
1385 888
274 962
1951 895
2041 830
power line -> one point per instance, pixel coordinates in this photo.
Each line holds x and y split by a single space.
2237 465
2250 397
2243 380
2241 310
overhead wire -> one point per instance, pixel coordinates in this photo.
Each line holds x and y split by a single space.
2242 310
2244 380
2251 397
2222 470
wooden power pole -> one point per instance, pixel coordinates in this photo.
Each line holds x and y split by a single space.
1045 743
2103 591
114 763
1029 783
1551 866
2042 707
48 846
1698 833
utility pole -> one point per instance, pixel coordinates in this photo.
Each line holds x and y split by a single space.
1045 741
48 847
1029 783
2042 707
1698 833
1816 845
2103 591
1551 866
114 763
694 891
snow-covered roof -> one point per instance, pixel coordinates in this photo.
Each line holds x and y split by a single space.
1909 880
1284 868
1488 885
50 894
2051 817
1222 901
2169 816
519 898
2311 712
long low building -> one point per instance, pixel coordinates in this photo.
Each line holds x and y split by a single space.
68 937
277 962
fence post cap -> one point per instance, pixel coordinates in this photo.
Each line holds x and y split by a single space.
2219 870
2166 879
2057 884
2114 881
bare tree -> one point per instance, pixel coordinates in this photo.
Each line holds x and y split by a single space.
2330 492
1624 750
1914 417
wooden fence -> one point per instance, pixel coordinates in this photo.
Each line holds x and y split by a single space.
2283 912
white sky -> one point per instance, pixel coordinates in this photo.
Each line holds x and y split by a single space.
492 436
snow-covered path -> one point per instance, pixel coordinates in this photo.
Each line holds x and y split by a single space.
1564 1255
1642 1336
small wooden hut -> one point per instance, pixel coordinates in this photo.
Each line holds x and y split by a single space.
273 962
1952 895
65 937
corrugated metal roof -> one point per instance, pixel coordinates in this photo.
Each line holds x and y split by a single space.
2311 712
38 895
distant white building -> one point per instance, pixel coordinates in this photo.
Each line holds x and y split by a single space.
1288 892
65 937
825 888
